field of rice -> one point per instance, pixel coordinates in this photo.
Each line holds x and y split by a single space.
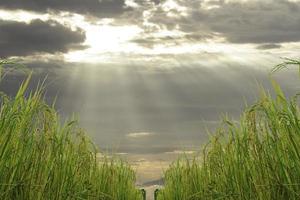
40 158
256 158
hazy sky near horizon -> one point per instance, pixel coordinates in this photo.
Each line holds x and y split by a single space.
147 77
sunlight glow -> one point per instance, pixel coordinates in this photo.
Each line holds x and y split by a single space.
109 38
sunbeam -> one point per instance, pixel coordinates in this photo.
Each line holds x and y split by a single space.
149 81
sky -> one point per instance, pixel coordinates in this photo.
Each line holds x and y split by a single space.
148 78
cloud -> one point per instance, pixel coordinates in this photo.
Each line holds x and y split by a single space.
157 182
258 22
272 21
98 8
140 134
151 41
23 39
180 152
269 46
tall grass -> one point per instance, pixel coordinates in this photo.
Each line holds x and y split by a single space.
40 158
258 158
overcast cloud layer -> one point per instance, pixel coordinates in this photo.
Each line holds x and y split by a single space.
256 22
266 24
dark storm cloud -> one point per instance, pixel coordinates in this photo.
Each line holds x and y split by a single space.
22 39
269 46
272 21
98 8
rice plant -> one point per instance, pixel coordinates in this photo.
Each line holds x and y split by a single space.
40 158
257 158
